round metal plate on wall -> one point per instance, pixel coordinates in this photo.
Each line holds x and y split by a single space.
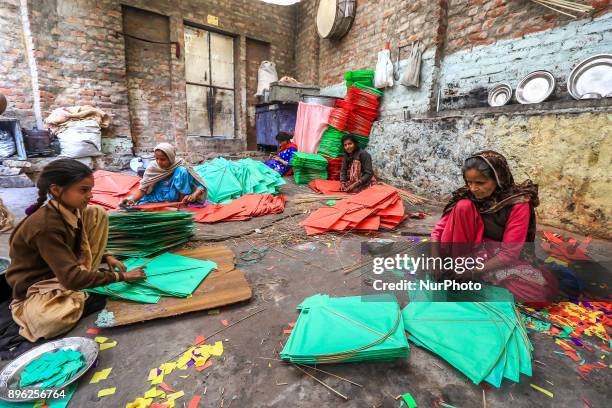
335 18
591 76
535 87
500 95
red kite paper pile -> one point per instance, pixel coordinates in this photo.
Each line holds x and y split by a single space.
357 112
329 187
373 208
241 209
110 188
333 167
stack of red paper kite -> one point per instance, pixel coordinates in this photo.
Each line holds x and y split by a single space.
241 209
333 167
375 207
356 113
110 188
329 187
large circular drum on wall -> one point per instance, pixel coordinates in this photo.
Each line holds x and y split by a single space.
335 18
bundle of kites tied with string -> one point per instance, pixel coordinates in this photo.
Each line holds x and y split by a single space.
355 115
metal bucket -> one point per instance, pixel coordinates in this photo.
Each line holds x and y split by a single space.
36 140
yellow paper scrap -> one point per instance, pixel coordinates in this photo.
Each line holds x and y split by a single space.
140 403
106 392
152 393
200 361
183 376
101 339
167 368
217 349
152 374
176 395
185 358
100 375
214 312
542 390
108 345
157 380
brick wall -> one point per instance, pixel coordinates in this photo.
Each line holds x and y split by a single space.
14 72
82 60
483 22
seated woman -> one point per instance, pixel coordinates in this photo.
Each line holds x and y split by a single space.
286 149
356 173
56 252
168 179
492 209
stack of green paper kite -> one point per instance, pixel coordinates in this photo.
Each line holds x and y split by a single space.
365 77
485 340
139 234
349 329
167 275
331 142
308 167
226 180
52 370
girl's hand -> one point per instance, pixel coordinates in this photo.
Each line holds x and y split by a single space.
114 263
126 202
134 275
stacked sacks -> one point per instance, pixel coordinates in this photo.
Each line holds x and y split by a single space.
308 167
348 329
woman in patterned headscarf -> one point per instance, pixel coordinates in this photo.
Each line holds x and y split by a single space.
168 179
492 209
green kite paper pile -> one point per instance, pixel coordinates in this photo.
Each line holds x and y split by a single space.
364 77
331 142
308 167
485 340
167 275
226 180
52 370
140 234
348 329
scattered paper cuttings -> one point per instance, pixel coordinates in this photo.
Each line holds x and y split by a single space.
95 332
100 375
542 390
106 392
408 400
107 345
52 369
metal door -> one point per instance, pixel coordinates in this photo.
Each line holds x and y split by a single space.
209 73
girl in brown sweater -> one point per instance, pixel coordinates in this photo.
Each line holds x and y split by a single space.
57 251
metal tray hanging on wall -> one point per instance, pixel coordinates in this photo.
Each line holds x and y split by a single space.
535 87
335 18
591 78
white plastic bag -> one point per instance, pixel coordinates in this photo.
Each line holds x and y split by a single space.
82 138
383 77
412 74
7 144
265 76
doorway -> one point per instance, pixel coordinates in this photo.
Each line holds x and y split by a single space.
210 89
256 52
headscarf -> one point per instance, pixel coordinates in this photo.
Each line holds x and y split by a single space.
154 174
507 192
289 145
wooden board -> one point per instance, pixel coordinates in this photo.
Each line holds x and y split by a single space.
224 286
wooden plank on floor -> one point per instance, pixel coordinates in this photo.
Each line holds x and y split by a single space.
224 286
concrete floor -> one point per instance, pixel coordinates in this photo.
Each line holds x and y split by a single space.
244 377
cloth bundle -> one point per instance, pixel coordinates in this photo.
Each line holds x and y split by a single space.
331 142
109 188
348 329
166 275
139 234
484 339
227 180
375 207
334 166
308 167
241 209
51 370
